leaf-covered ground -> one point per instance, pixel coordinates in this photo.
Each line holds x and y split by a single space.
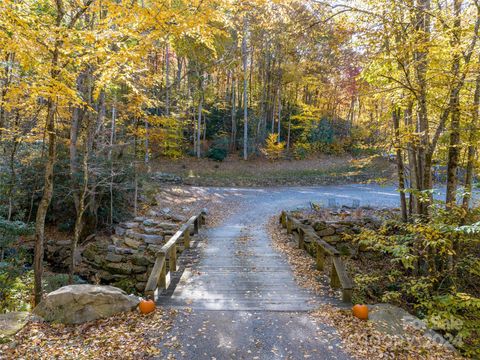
360 338
318 170
124 336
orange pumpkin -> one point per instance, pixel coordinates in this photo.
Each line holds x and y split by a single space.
146 306
360 311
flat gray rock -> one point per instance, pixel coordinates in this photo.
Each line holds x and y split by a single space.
393 320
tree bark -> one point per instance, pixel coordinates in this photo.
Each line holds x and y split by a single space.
424 159
400 166
46 197
199 121
245 90
167 79
49 168
77 232
472 136
233 140
454 145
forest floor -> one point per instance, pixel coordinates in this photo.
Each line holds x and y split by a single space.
259 172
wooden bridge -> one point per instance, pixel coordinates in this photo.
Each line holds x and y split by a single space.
238 271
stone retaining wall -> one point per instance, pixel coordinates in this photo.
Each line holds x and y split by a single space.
126 258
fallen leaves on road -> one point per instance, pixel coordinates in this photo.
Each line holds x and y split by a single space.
191 200
123 336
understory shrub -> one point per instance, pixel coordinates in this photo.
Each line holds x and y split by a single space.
219 149
217 154
273 149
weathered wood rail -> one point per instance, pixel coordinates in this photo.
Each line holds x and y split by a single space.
338 275
166 261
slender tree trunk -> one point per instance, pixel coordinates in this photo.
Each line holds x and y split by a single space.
13 174
454 146
279 114
204 129
167 79
135 170
472 136
49 169
74 129
233 140
178 80
147 141
424 159
400 166
288 134
77 232
3 93
110 157
46 199
412 161
245 90
199 122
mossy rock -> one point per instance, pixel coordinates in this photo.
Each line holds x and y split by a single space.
11 323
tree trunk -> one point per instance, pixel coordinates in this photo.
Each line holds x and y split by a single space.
46 198
472 136
49 168
13 174
245 90
110 158
454 146
421 63
167 79
233 139
288 134
400 167
147 138
199 122
279 114
77 232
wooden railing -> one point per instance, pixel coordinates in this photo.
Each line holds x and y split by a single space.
338 274
166 261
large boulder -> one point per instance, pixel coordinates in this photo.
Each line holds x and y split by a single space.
76 304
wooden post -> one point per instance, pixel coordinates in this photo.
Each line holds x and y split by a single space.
162 281
283 219
289 225
347 295
334 279
186 239
320 258
195 226
173 258
301 238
